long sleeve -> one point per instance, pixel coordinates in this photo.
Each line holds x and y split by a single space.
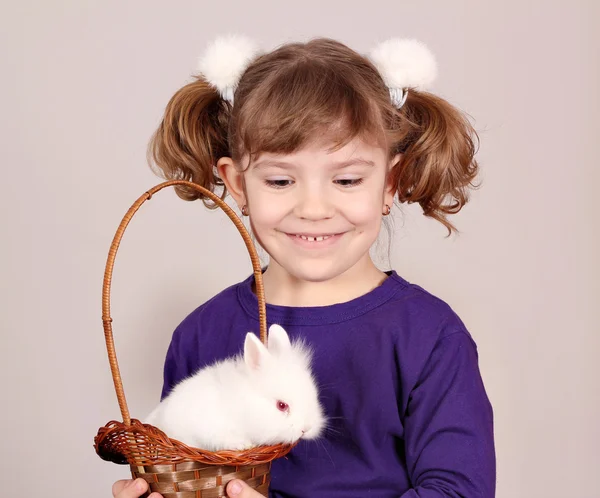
449 426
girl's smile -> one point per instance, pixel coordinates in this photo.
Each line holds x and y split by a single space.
315 241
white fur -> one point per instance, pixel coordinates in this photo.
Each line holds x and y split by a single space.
233 403
405 63
225 59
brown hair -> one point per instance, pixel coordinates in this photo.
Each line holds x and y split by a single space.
322 88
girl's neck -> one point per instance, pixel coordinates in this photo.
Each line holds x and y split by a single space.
283 289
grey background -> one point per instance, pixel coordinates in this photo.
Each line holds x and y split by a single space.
83 87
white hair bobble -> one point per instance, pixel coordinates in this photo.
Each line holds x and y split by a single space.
224 62
404 64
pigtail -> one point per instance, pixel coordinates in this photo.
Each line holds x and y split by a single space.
438 164
191 137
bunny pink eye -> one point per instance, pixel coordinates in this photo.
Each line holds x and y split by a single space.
281 406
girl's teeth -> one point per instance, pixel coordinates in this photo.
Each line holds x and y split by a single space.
314 239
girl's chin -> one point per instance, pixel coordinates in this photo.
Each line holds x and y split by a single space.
307 270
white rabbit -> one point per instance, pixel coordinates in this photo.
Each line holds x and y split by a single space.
263 397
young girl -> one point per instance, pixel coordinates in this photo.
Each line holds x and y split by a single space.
314 146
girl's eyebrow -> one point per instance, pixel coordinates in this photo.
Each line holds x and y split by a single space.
339 165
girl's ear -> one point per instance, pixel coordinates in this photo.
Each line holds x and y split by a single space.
391 185
233 179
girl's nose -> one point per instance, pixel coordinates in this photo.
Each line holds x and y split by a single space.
313 204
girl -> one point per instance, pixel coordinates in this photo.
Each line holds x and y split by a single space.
314 146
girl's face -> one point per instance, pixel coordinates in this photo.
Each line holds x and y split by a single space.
316 213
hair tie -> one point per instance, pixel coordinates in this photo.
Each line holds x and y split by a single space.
224 62
404 64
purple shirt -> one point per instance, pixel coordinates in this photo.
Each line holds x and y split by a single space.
399 381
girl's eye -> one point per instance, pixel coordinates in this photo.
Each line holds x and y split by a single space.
282 406
349 182
278 183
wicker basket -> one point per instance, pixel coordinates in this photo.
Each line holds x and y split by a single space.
170 467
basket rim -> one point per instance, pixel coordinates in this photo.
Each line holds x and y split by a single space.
111 438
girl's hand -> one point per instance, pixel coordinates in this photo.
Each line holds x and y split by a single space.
239 489
129 488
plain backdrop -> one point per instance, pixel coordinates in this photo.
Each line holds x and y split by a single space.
83 86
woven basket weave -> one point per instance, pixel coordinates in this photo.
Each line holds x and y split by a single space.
172 468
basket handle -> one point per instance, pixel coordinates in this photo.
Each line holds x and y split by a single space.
107 320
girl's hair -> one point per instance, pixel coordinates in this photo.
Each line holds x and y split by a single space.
318 90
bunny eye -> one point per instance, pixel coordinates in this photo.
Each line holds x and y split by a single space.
283 407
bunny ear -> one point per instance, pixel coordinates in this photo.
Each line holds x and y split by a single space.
278 340
255 352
